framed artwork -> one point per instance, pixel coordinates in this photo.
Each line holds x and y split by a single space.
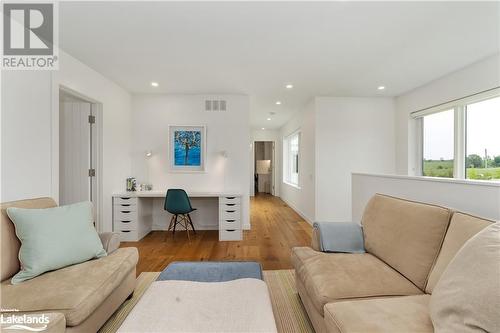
187 148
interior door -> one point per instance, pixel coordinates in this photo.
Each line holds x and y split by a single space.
75 152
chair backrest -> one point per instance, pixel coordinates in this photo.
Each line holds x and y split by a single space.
9 242
177 202
462 228
406 235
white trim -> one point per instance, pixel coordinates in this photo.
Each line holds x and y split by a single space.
298 211
459 143
474 98
292 185
57 88
459 106
286 158
434 179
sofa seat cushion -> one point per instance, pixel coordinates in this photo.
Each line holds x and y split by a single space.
330 277
408 314
75 291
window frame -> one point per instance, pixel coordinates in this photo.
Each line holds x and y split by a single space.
287 162
460 130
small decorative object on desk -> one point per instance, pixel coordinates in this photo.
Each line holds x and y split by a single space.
131 184
146 187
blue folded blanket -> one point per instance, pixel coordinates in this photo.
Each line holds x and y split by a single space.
345 237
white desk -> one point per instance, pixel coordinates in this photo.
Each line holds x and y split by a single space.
132 213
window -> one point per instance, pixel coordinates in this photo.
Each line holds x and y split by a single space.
291 157
438 146
483 140
461 139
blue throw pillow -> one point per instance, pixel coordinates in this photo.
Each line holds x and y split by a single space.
53 238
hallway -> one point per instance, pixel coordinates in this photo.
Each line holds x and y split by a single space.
276 228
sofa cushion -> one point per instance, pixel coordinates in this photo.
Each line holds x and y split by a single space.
76 291
382 315
53 238
406 235
462 228
330 277
467 297
10 244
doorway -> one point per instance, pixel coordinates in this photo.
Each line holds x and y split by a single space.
79 151
264 177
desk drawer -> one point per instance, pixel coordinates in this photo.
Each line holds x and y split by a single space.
230 224
230 235
128 235
230 200
125 225
126 206
125 200
231 214
230 206
124 214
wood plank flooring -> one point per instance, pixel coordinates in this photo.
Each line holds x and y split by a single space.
276 228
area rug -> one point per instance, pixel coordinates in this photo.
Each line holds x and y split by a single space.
288 310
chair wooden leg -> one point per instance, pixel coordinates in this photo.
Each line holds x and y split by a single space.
171 222
175 224
186 225
191 222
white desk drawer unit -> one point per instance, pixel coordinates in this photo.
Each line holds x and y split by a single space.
230 228
129 218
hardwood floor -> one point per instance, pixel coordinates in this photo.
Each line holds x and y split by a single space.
276 228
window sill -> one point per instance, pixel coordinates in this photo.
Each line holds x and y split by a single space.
292 185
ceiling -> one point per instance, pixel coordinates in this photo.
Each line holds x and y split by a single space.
256 48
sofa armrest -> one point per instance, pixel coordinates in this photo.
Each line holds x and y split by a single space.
110 241
344 237
55 321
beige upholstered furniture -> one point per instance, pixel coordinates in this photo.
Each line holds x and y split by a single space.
388 288
79 298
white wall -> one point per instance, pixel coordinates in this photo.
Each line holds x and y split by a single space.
474 197
26 121
30 131
302 199
226 131
352 135
472 79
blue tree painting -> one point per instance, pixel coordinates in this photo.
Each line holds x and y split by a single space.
187 147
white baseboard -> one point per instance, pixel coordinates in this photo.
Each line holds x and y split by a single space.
298 211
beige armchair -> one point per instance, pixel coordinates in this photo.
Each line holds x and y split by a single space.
77 298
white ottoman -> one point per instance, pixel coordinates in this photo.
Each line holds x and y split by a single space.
185 306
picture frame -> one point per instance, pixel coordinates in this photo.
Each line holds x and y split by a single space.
187 148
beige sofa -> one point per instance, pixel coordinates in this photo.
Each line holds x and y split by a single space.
78 298
388 288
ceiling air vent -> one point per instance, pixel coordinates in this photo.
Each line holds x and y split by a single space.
215 105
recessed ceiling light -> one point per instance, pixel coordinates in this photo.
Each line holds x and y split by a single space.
263 128
289 86
381 88
268 118
278 102
154 84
